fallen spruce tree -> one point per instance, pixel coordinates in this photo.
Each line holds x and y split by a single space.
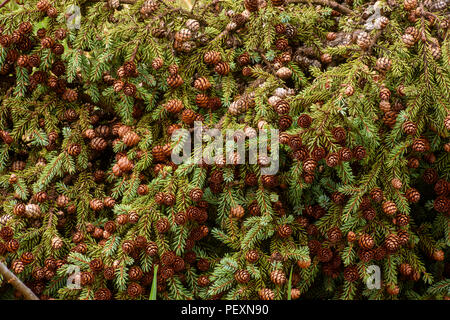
98 96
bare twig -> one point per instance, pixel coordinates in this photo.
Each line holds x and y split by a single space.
17 283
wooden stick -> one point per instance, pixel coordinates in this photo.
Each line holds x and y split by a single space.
17 283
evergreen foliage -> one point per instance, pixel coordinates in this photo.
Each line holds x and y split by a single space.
360 91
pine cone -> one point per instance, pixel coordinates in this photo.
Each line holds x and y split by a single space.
410 4
366 241
222 68
332 159
237 212
242 276
392 242
284 231
202 83
265 293
412 195
278 277
163 225
251 5
131 139
212 57
351 273
334 234
175 81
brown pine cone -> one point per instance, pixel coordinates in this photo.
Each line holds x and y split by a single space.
278 277
109 273
135 273
109 202
134 289
237 212
281 44
128 246
430 176
157 63
392 242
334 234
212 57
351 236
369 213
125 164
175 81
363 40
74 149
412 195
203 281
442 187
118 85
17 267
244 59
280 28
284 231
169 199
96 204
284 122
188 116
389 207
405 269
366 241
282 107
402 220
202 83
332 159
151 249
131 138
410 4
409 128
377 195
345 154
325 254
420 145
96 265
86 278
27 258
351 273
203 264
383 64
202 100
174 106
242 276
222 68
438 255
252 256
265 293
442 204
163 225
304 121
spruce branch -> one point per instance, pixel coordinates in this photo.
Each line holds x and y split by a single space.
17 283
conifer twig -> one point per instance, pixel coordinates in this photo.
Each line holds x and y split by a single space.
17 283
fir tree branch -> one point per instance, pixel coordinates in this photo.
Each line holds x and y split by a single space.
17 283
